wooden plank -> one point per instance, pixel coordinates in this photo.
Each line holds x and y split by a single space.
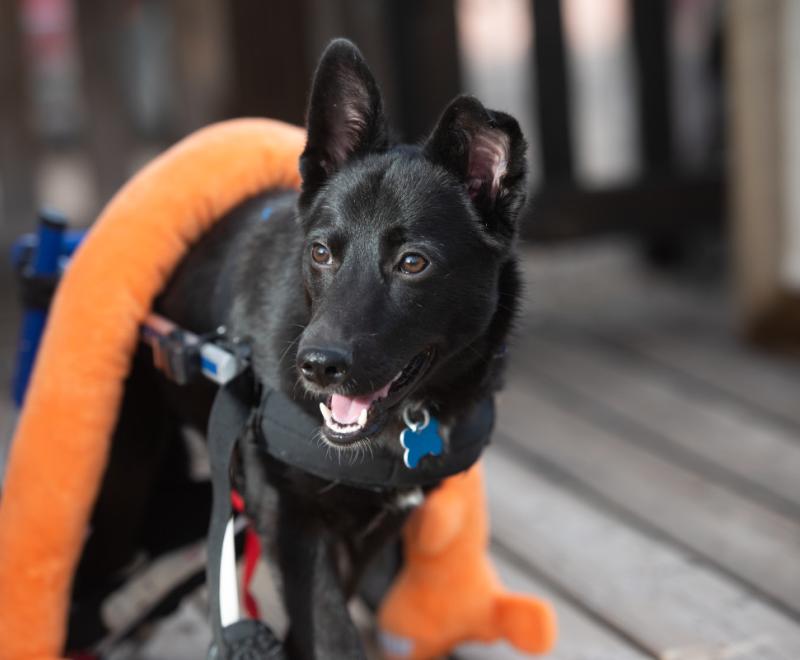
579 636
765 382
604 285
734 533
702 349
720 440
673 605
603 291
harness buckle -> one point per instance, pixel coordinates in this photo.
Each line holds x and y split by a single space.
184 356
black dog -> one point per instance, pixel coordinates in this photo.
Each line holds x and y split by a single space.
388 286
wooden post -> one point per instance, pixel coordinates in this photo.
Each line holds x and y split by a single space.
769 306
552 92
202 55
424 51
272 70
100 30
790 57
365 23
650 30
17 140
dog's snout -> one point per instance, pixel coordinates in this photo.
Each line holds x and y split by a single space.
324 366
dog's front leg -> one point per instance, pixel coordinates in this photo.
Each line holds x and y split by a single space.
320 626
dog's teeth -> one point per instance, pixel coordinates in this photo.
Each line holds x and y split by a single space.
362 418
326 413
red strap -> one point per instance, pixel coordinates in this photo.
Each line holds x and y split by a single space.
237 501
252 551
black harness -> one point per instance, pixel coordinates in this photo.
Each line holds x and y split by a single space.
286 432
289 434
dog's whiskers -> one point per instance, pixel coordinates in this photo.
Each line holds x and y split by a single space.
288 348
303 391
352 453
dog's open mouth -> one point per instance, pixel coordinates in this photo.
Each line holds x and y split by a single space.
348 419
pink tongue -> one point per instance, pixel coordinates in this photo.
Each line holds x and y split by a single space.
346 410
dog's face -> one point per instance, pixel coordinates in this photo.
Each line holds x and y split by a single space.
403 246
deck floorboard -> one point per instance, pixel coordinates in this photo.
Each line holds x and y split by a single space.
646 466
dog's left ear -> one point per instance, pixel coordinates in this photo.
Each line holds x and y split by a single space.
345 116
485 150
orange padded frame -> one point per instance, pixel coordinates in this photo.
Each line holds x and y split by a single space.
61 443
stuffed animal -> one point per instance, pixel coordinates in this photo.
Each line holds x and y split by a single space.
447 591
62 439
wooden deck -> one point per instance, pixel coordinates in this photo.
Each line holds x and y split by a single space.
645 475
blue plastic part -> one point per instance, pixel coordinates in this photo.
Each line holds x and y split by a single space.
48 247
22 248
45 254
208 365
25 246
72 239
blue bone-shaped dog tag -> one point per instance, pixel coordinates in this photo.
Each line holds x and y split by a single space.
420 440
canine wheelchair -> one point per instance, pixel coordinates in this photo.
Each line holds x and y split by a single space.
100 333
39 259
103 616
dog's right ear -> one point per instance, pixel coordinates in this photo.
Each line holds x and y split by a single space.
345 116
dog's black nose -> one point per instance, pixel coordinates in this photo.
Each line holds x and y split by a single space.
324 366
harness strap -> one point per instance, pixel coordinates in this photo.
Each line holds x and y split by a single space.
230 416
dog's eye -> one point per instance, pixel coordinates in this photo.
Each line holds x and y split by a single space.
413 264
321 254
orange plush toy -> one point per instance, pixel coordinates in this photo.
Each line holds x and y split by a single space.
447 591
62 440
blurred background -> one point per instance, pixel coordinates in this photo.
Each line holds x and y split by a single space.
646 474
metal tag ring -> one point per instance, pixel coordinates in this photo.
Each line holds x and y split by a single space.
414 426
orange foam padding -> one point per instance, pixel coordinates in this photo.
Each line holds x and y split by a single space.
61 443
447 592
